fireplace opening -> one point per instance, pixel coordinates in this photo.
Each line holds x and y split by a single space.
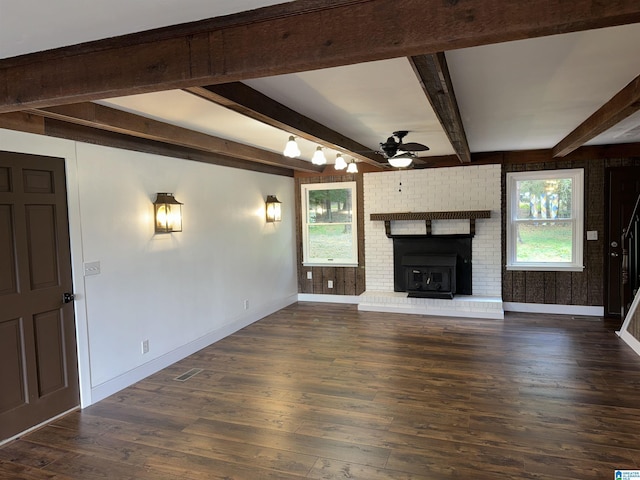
434 266
432 276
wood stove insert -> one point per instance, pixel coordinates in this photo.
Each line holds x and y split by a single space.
430 276
437 266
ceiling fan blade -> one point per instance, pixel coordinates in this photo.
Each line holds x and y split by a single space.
413 147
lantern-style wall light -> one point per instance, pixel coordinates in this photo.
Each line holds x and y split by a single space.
274 209
167 212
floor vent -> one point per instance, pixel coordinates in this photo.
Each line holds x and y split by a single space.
187 375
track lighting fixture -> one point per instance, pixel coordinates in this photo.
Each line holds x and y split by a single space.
292 150
318 157
340 163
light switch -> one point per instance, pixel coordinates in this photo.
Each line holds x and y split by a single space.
91 268
592 235
309 275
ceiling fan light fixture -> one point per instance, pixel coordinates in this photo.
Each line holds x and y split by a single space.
352 167
398 153
340 164
291 149
318 157
401 161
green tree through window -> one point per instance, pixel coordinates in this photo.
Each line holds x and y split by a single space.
544 230
329 228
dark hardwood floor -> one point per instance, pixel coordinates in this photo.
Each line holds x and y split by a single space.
322 391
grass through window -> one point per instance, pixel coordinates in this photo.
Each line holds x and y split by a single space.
544 242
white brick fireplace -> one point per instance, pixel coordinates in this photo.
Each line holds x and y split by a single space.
434 190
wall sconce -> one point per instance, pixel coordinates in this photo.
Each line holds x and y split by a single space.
352 167
340 163
167 212
274 209
291 149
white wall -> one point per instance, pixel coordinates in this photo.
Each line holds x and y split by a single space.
180 291
434 190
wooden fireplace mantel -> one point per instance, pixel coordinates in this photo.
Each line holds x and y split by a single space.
471 215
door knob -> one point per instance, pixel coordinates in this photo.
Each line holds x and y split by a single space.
68 297
615 254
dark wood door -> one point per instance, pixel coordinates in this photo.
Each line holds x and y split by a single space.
622 189
38 359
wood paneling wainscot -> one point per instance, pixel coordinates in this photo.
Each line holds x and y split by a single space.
565 288
346 280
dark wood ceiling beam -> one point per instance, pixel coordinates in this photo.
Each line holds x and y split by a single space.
113 120
595 153
24 122
623 104
294 37
247 101
81 133
433 73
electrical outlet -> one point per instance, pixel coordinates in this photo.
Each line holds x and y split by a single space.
330 284
309 275
246 304
145 346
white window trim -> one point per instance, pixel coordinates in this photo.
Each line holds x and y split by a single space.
354 224
577 214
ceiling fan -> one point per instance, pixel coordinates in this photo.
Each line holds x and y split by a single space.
399 154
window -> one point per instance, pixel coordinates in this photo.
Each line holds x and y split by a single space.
545 220
329 227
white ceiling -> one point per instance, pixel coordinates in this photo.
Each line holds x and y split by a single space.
529 94
33 25
519 95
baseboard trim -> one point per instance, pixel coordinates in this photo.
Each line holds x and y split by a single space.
318 297
108 388
553 308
